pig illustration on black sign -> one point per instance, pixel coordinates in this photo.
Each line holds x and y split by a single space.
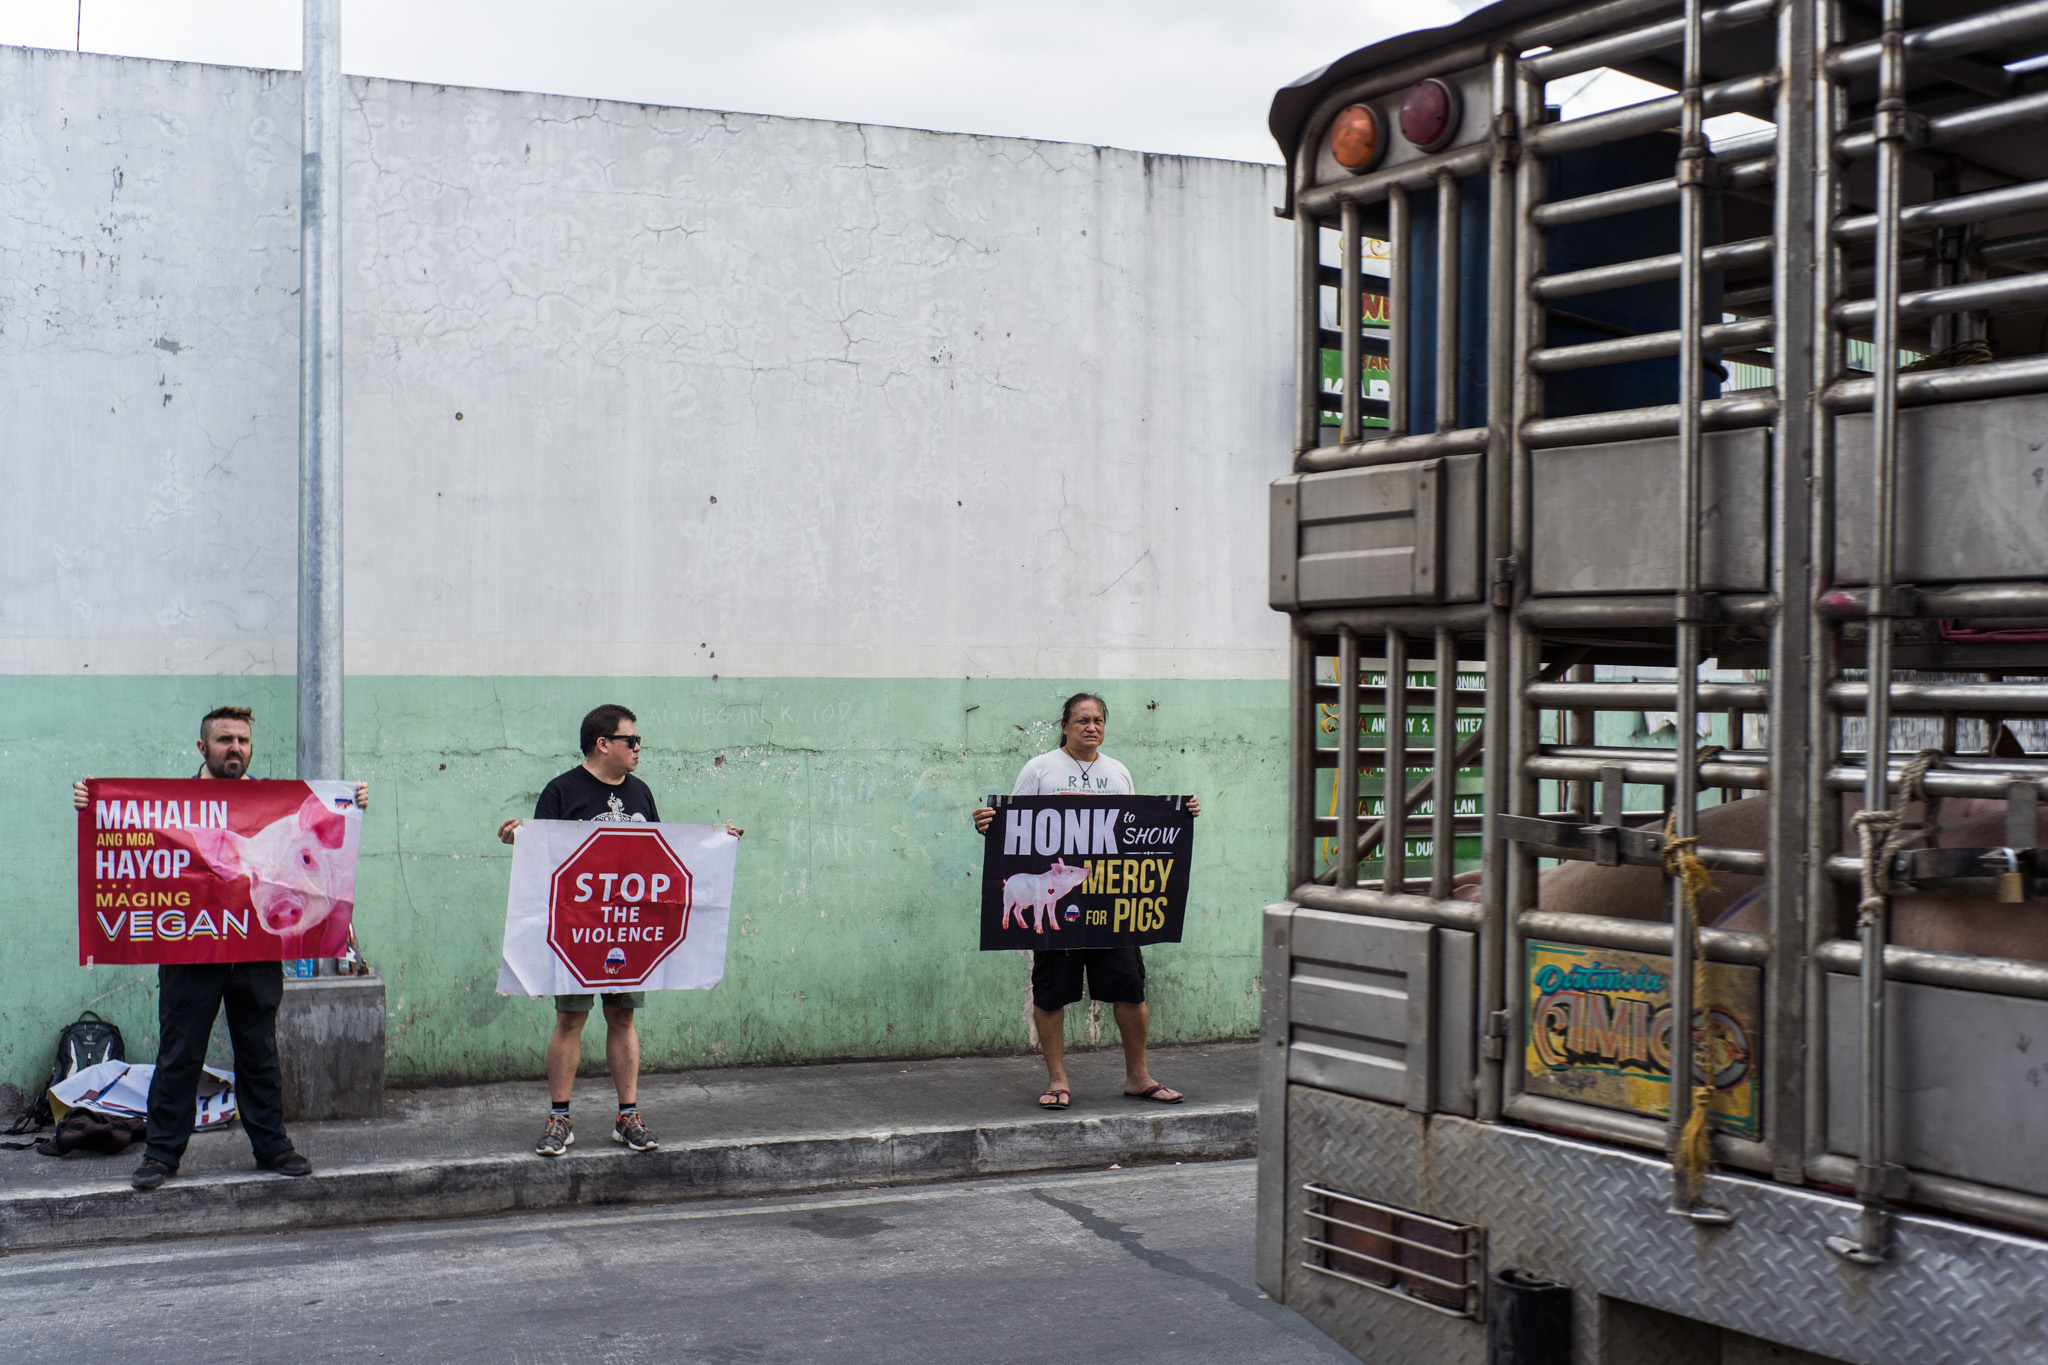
1028 895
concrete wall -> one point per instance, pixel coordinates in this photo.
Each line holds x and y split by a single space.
839 453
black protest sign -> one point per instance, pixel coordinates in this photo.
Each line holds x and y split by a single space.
1085 871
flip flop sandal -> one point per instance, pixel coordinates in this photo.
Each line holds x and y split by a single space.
1154 1093
1065 1097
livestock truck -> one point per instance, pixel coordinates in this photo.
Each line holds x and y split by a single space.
1683 363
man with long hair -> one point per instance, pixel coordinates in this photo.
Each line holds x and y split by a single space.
1058 976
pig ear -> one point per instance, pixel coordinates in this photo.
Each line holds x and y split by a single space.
325 825
219 849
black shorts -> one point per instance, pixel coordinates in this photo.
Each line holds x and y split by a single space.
1114 974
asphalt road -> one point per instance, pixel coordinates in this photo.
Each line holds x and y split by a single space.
1149 1264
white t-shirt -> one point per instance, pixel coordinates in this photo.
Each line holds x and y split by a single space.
1059 773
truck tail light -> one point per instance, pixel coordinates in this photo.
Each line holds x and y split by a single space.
1429 114
1355 138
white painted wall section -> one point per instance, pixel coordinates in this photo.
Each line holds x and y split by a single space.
966 405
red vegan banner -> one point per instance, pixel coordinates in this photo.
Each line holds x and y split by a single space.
192 870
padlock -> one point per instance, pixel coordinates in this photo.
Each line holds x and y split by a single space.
2011 882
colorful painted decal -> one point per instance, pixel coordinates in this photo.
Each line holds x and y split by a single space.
1599 1032
198 870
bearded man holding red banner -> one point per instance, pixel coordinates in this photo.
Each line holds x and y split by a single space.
191 995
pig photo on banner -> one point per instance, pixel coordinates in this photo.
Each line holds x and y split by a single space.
603 906
190 870
1085 871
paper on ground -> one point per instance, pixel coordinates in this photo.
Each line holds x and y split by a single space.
121 1090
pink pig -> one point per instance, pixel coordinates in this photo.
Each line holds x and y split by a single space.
1025 893
297 876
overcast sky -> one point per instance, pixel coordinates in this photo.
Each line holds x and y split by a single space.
1193 76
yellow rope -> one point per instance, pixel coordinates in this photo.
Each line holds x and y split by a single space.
1881 834
1695 1154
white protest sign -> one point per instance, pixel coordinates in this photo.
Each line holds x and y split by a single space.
613 906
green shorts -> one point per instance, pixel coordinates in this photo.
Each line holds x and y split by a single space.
581 1004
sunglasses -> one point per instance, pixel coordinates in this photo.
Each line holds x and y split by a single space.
630 741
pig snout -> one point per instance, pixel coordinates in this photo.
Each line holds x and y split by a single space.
287 912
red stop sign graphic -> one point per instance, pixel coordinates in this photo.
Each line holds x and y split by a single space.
618 905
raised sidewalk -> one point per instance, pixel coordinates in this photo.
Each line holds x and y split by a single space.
466 1151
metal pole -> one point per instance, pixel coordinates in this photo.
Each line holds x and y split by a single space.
1522 660
1788 838
1824 726
1351 318
320 662
1394 767
1347 757
1502 280
1447 262
1581 731
1443 800
1308 346
1301 748
1400 335
1695 163
1873 1235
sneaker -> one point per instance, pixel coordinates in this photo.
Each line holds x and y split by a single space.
151 1173
557 1137
632 1130
287 1162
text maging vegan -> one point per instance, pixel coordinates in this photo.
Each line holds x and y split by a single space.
190 870
1085 871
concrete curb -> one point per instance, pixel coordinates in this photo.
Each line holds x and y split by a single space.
522 1182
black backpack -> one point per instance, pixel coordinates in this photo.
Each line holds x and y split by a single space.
86 1041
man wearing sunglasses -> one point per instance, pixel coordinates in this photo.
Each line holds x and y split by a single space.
601 787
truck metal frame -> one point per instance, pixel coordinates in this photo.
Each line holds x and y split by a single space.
1563 490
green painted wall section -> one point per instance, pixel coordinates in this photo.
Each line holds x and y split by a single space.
854 923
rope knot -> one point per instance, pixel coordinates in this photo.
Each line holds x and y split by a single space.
1695 1154
1882 834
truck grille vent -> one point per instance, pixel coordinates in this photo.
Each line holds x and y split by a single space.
1409 1255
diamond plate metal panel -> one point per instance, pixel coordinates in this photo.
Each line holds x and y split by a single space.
1594 1218
1322 1149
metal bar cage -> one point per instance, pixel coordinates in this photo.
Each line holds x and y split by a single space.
1632 415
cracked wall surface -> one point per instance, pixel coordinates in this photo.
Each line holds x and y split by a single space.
840 453
964 404
148 324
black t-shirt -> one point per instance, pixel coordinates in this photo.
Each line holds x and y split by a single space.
577 795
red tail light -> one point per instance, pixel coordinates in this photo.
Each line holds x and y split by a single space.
1429 114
